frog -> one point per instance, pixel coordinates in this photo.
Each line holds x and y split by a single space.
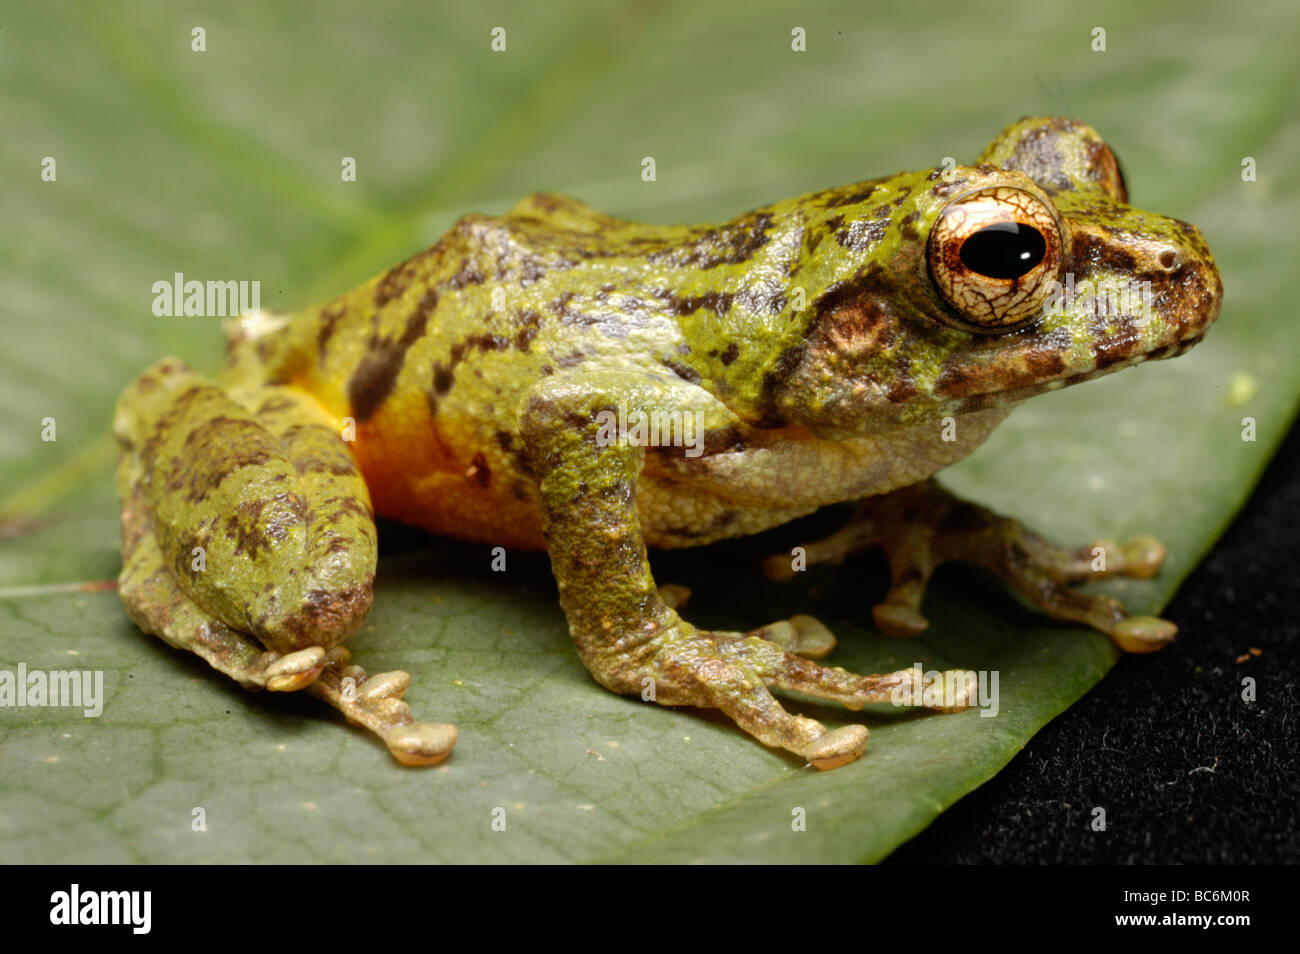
842 346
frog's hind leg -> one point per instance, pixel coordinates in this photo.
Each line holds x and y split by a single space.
248 540
923 526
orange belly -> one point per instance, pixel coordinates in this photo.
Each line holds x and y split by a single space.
443 474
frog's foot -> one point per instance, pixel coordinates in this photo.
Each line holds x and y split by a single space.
274 568
923 526
376 703
735 672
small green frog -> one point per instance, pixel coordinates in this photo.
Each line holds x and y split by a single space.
558 378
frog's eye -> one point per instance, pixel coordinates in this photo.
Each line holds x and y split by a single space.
993 256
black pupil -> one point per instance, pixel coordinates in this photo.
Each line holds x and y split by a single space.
1005 250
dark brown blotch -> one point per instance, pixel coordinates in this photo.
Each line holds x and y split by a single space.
683 371
850 196
444 375
376 375
728 244
329 320
213 451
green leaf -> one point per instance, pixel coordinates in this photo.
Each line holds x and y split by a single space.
226 164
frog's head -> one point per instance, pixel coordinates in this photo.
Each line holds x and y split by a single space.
944 292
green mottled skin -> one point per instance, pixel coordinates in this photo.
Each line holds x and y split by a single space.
807 335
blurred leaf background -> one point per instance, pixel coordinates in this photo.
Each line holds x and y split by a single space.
225 164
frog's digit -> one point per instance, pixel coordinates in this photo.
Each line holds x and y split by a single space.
248 540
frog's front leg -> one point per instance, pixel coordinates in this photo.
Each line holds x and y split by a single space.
629 638
922 526
248 540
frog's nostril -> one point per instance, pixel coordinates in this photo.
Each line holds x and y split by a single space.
1169 260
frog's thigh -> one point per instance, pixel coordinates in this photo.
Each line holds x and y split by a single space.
923 526
248 540
157 605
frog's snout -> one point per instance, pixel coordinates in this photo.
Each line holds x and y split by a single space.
1185 283
1165 276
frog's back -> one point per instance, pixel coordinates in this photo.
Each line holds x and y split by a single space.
430 360
424 366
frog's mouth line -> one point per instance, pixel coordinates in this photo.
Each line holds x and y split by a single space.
975 402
